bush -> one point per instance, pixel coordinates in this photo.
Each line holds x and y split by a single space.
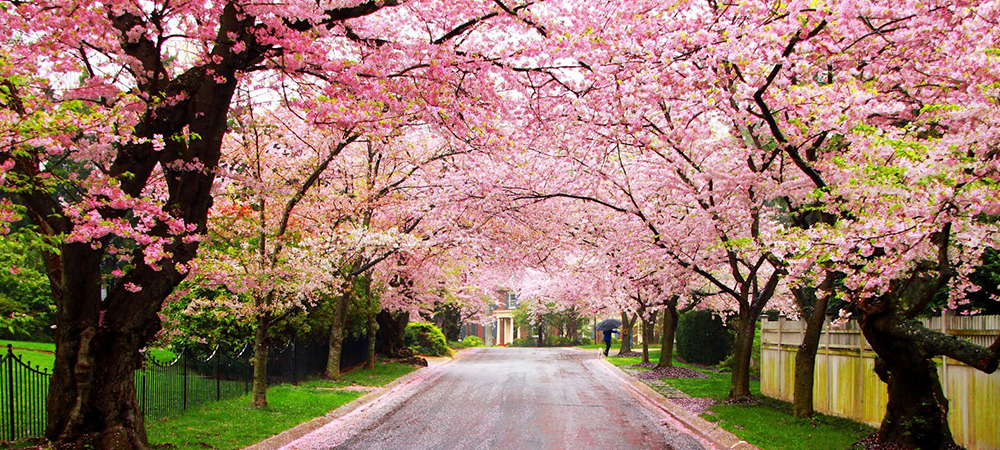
426 339
702 338
472 341
524 342
586 341
557 341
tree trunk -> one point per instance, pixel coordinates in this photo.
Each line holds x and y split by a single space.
541 338
260 344
390 331
104 411
742 349
372 329
627 325
447 319
644 324
573 329
670 317
917 411
92 395
337 336
805 357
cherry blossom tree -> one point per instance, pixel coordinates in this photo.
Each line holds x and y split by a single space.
129 115
272 165
887 114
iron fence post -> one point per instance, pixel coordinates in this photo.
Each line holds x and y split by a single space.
184 405
142 406
10 387
295 362
218 382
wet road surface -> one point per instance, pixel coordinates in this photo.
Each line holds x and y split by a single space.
506 398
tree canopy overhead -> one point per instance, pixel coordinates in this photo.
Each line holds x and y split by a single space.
625 154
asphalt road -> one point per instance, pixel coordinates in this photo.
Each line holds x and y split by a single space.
506 398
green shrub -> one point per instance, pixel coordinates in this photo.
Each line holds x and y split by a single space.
524 342
586 341
472 341
426 339
702 338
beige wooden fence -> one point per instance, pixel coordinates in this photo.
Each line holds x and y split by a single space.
846 384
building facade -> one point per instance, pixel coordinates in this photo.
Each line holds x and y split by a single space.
506 330
501 331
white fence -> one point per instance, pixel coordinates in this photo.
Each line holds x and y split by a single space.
846 384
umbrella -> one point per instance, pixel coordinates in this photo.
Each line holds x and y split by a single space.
608 324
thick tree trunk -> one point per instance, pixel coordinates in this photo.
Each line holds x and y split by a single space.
742 349
917 411
670 317
92 397
626 336
390 331
805 359
260 344
103 413
337 336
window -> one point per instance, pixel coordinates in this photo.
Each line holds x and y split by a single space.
511 300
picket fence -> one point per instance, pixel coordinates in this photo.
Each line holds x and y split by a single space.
847 386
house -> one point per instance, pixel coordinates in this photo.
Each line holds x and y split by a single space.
502 330
506 331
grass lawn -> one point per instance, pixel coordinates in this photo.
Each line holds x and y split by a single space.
654 356
25 345
233 424
42 354
770 423
383 374
767 425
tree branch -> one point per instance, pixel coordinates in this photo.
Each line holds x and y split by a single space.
936 343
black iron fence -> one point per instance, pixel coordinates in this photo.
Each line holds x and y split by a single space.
163 388
22 397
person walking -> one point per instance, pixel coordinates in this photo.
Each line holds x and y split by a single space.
607 340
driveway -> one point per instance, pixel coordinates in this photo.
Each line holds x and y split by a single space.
507 398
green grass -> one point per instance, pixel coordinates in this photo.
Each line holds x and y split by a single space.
715 386
654 356
233 424
382 375
25 345
42 354
770 423
36 354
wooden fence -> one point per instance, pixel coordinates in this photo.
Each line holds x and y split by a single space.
846 384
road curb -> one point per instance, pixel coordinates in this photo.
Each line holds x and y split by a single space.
708 431
281 439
